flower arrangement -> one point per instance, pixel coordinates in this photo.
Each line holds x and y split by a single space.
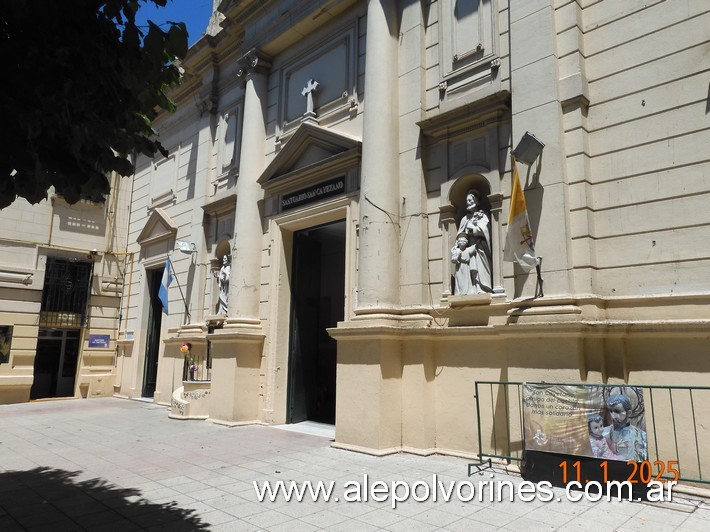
191 368
189 360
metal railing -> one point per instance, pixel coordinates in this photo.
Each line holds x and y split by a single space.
677 424
197 368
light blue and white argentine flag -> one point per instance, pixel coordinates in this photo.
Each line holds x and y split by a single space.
163 290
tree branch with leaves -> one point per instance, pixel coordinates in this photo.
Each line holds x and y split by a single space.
82 86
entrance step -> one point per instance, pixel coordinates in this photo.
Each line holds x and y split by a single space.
310 427
191 400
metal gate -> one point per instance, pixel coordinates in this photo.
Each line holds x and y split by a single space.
671 436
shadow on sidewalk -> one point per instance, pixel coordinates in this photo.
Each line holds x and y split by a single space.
52 499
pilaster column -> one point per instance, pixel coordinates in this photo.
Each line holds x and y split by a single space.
207 106
536 74
496 202
378 275
447 221
237 348
246 264
374 346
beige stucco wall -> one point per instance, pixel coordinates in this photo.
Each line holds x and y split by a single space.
644 122
85 231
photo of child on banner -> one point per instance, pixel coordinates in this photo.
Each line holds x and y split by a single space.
605 422
5 343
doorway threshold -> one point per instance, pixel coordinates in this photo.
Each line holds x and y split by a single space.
46 399
144 400
313 428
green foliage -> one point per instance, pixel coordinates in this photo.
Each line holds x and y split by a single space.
81 88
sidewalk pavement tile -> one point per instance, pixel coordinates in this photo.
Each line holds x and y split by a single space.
266 520
493 517
605 517
218 517
525 523
324 519
113 464
694 524
466 525
549 517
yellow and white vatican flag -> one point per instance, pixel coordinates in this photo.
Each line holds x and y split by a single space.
519 241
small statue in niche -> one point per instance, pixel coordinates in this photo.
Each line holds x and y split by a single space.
472 252
461 257
223 281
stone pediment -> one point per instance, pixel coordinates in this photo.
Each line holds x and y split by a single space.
311 150
158 227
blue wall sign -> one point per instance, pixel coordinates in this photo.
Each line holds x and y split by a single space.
99 340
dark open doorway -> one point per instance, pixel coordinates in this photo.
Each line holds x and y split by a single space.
56 362
317 303
152 342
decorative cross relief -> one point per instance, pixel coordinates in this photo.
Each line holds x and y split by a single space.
308 91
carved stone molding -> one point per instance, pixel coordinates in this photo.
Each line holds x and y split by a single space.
157 228
207 105
447 214
475 115
253 62
16 277
495 201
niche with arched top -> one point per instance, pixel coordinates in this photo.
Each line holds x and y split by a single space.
453 210
221 271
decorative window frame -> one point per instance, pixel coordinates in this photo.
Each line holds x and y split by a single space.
160 197
233 112
84 200
457 66
347 37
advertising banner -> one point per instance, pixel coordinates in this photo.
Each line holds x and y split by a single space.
606 422
5 343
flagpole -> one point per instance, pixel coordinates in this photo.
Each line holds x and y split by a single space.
519 240
187 311
538 288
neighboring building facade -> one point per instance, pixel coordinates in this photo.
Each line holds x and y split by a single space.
323 152
61 277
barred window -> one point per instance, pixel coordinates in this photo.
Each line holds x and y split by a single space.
67 284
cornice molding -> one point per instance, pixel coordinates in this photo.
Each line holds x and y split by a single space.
474 115
220 205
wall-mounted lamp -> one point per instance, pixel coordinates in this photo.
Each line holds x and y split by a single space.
528 149
186 247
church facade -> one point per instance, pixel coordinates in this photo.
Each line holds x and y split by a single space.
321 167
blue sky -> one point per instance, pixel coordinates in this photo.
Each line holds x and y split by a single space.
194 13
